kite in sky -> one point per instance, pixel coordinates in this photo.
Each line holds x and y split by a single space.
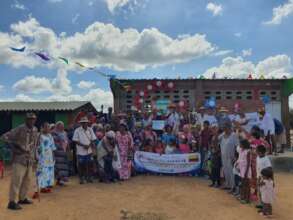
43 56
18 49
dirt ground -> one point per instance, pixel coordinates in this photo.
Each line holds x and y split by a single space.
146 197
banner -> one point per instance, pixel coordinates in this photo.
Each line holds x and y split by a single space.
167 163
162 105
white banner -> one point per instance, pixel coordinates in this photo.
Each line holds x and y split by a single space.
167 163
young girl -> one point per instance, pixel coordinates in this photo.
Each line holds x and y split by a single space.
215 174
45 168
183 146
171 147
159 148
267 191
245 170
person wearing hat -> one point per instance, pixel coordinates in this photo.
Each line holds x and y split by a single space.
84 138
173 118
23 142
223 118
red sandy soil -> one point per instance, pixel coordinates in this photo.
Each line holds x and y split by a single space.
146 197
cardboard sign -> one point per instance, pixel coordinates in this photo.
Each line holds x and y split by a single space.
158 124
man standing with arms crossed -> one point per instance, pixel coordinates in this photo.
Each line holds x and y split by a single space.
22 140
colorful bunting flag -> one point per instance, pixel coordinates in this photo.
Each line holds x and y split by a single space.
79 64
18 49
64 59
42 56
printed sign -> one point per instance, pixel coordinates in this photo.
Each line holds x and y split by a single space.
162 105
167 163
158 125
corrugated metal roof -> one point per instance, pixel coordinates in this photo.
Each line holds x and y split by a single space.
41 106
188 79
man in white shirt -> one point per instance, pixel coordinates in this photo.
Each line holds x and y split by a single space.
266 123
173 118
84 137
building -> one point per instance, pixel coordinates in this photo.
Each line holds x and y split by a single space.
227 92
12 114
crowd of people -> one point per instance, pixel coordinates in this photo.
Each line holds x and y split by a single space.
233 151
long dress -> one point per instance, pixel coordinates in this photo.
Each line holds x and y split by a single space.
228 148
125 145
45 168
61 166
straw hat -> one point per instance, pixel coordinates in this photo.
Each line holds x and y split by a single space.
84 120
223 109
172 105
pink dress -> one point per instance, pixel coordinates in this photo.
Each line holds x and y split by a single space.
267 192
125 145
184 148
242 163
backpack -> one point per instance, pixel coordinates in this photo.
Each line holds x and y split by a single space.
278 127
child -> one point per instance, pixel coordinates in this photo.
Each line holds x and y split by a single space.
183 146
159 148
245 170
262 162
148 147
171 148
215 174
45 168
267 191
237 178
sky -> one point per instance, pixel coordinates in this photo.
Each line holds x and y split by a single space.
137 39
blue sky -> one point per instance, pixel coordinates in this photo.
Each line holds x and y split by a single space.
138 39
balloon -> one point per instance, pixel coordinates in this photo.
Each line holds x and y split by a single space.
149 87
170 85
266 99
159 83
141 93
181 103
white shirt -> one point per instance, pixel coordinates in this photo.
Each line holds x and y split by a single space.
84 137
173 119
262 163
267 124
211 119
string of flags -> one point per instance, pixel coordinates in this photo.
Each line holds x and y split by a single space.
46 58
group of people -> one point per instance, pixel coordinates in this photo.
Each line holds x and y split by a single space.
233 151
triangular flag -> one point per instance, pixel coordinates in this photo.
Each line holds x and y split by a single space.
18 49
249 76
214 76
81 65
261 77
64 59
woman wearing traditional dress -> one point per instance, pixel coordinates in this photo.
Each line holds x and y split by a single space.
61 157
125 146
45 168
228 141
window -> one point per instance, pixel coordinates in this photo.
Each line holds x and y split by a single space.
185 91
166 96
176 101
176 91
158 97
238 97
128 106
273 93
186 96
218 93
263 93
157 91
207 97
228 97
238 93
249 97
248 92
129 101
176 96
218 97
207 93
166 91
228 92
129 96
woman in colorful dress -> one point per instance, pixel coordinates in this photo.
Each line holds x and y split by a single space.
125 147
61 157
45 168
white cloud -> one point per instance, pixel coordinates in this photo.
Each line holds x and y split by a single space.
54 1
75 18
238 34
236 67
18 6
101 45
22 98
281 12
36 85
246 53
86 84
113 4
214 8
222 52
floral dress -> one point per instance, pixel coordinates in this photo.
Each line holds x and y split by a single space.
125 145
45 169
